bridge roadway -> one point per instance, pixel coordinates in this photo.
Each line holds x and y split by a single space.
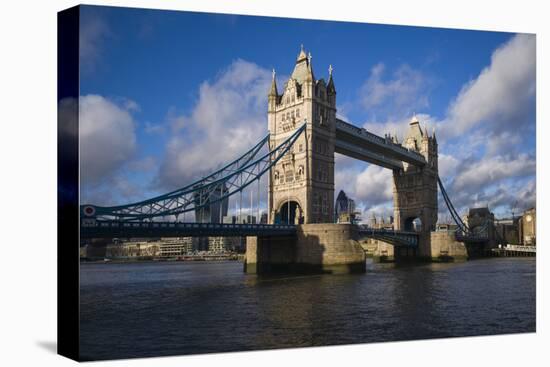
119 229
361 144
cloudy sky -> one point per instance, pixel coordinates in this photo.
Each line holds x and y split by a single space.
169 96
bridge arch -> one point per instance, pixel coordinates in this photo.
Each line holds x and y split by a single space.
413 224
289 211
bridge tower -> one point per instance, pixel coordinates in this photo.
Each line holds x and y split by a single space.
301 185
415 188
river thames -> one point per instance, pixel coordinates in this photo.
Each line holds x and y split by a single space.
171 308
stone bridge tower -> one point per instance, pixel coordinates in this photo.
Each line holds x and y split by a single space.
301 185
415 188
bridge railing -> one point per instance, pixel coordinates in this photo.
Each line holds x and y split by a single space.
520 248
181 225
396 237
121 229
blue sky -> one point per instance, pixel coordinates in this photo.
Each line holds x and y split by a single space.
161 90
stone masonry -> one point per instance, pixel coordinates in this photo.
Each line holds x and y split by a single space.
317 248
415 188
301 185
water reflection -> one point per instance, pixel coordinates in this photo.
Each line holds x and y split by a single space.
152 309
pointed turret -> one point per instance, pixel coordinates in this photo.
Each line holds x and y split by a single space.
415 134
273 91
303 70
302 55
331 90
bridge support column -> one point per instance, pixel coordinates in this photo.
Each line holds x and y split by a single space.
415 189
404 253
274 254
445 247
316 248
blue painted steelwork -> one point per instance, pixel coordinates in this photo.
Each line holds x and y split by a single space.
118 229
217 187
463 233
396 238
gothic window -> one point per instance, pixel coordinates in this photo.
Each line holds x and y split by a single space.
298 113
300 172
300 147
283 117
293 98
288 115
292 115
325 203
287 99
315 203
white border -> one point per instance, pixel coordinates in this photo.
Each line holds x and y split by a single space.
28 185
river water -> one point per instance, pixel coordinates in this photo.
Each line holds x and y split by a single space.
170 308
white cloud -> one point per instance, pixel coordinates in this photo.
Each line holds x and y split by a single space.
491 171
93 32
146 164
228 118
151 128
107 138
447 165
502 96
399 127
403 94
370 186
483 135
374 185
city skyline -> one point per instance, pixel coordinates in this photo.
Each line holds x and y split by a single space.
144 133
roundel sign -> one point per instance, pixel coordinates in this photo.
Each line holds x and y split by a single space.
89 211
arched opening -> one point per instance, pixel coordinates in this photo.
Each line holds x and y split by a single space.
413 224
291 213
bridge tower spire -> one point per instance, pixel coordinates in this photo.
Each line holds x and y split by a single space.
301 187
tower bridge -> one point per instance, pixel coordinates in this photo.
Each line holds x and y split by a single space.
304 134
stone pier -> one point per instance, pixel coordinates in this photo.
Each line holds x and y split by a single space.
445 247
316 248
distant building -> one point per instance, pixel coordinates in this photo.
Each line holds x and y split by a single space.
220 244
507 231
214 212
174 247
240 219
158 248
132 249
344 209
380 223
528 227
481 221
